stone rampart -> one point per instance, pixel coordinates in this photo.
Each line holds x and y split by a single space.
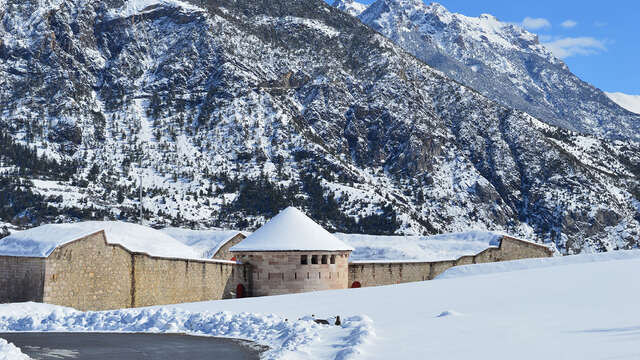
159 281
365 274
89 274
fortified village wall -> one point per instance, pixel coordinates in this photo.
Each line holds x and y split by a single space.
364 274
90 274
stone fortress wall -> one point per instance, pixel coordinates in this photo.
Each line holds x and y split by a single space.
90 274
364 274
159 281
288 272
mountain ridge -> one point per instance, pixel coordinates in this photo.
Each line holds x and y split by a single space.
504 62
230 112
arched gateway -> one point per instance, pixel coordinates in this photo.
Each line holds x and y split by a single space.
292 254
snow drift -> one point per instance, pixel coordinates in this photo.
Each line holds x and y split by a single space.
283 336
8 351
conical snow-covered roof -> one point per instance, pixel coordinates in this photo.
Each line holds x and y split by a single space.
291 230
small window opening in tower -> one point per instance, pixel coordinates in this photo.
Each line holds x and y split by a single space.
303 259
324 259
314 259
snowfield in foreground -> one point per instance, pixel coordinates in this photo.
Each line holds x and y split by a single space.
576 307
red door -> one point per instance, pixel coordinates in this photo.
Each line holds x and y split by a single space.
240 291
356 284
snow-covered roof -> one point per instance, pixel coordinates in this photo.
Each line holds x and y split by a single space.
42 240
416 248
205 242
291 230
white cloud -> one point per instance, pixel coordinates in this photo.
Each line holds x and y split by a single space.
571 46
567 24
535 23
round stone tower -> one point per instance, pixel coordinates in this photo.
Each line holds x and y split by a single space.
293 254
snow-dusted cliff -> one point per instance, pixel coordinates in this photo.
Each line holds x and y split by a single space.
231 111
504 62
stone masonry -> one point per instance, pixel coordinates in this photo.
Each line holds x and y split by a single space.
223 253
90 274
282 272
388 273
21 279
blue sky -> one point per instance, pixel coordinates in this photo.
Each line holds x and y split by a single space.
599 40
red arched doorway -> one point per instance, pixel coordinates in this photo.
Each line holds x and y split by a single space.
240 291
356 284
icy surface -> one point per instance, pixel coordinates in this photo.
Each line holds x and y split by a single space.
629 102
8 351
418 248
42 240
204 242
291 230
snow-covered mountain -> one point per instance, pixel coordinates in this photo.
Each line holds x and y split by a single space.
232 110
503 62
351 7
629 102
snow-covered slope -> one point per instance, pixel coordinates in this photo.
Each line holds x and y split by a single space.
629 102
229 113
351 7
42 240
504 62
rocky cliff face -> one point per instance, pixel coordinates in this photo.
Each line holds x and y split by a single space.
230 110
504 62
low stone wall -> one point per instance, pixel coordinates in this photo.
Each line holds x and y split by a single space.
376 274
21 279
387 273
